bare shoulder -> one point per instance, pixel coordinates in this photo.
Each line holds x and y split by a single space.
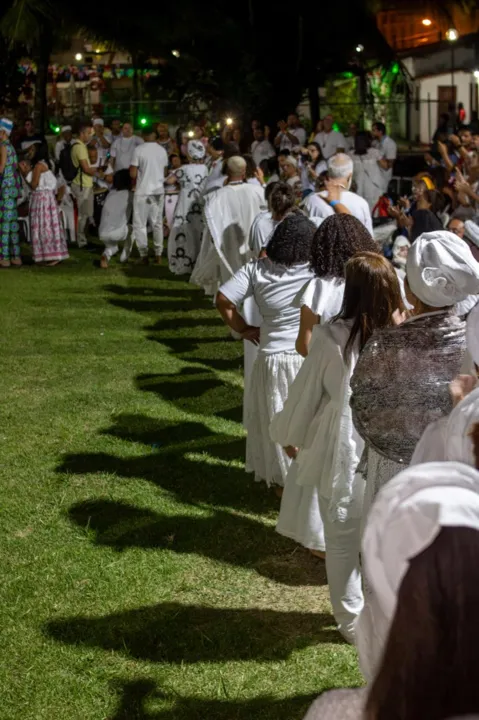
338 705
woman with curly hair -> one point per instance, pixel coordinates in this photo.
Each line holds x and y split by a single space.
337 239
273 282
316 428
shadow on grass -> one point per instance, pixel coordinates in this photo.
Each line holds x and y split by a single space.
187 293
137 694
174 633
194 390
224 537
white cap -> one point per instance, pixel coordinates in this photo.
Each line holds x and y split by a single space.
98 121
66 128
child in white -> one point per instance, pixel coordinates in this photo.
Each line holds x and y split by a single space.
115 217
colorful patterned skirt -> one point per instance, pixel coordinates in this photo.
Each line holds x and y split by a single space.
48 236
9 237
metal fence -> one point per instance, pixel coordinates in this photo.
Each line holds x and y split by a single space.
140 112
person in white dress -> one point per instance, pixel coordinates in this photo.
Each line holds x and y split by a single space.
417 636
330 141
123 147
336 241
316 428
340 169
273 282
312 165
391 411
184 241
367 173
115 219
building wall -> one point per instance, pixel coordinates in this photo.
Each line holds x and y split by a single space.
428 97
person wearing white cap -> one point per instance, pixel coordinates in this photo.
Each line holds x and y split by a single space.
184 241
10 185
340 171
101 138
66 137
147 170
289 174
417 636
401 382
323 486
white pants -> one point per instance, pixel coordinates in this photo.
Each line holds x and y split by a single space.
148 209
84 198
342 540
111 247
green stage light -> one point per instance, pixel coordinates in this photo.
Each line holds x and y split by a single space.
56 129
395 69
143 121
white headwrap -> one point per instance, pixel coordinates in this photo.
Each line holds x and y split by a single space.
6 125
441 270
196 149
28 144
407 516
472 231
458 441
98 121
66 128
472 334
399 243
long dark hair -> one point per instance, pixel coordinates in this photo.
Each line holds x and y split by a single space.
336 241
371 296
429 666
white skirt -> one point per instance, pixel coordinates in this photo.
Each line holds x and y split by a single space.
270 380
299 516
380 470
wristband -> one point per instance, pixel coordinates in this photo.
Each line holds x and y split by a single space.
333 203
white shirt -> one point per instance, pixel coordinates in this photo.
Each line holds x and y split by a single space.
306 182
261 231
47 181
286 143
389 151
115 215
330 142
315 206
262 150
274 288
151 160
323 296
122 150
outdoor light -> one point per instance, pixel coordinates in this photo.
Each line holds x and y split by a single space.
78 56
143 121
57 129
427 22
191 134
176 53
452 34
359 48
476 74
218 126
229 121
98 51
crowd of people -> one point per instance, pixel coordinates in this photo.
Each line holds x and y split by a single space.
359 317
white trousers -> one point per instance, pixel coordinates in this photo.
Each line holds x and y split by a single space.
111 247
342 540
148 210
84 199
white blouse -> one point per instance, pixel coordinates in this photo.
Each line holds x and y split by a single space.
323 296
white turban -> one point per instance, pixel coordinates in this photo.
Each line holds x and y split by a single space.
458 440
66 128
472 334
441 270
472 231
405 519
196 149
98 121
6 125
290 160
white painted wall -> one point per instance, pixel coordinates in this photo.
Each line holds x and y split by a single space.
428 87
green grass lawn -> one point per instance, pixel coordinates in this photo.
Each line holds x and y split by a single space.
141 576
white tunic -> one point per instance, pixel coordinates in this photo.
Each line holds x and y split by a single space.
389 151
330 143
261 231
115 216
323 296
368 176
315 206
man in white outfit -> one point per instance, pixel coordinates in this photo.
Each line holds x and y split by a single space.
123 147
330 141
389 150
147 171
340 171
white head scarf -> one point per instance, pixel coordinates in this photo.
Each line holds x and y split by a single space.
196 149
399 243
98 121
6 125
472 334
441 270
405 519
458 445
